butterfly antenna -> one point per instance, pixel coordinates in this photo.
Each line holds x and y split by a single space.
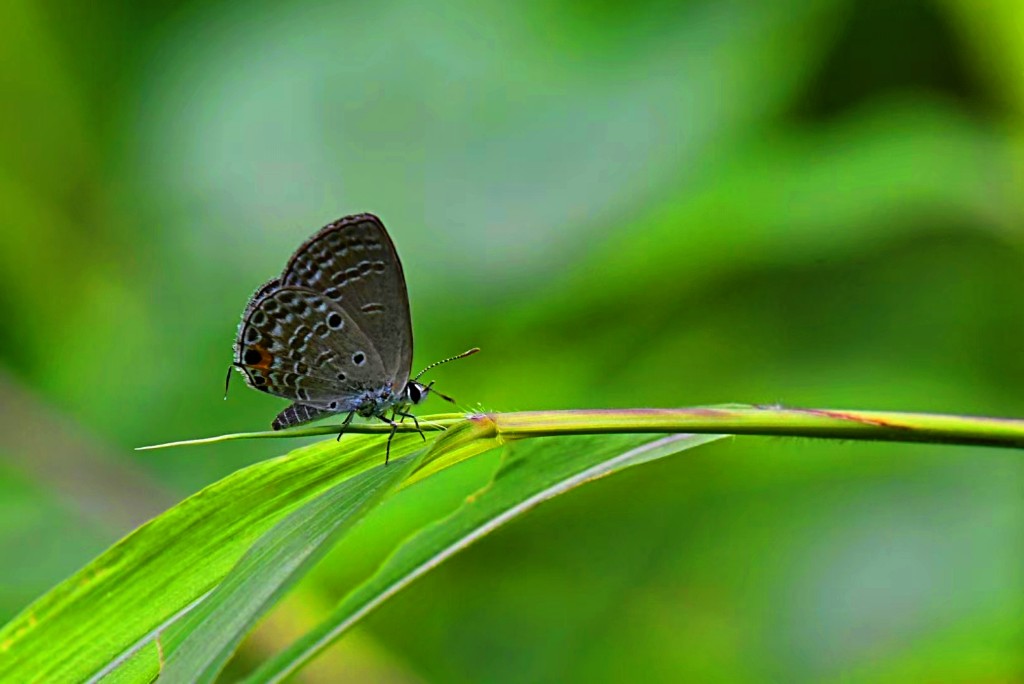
463 355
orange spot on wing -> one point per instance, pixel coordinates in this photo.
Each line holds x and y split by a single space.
266 358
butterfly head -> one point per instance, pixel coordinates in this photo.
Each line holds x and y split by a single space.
415 392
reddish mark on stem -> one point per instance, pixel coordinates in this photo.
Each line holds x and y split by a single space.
853 417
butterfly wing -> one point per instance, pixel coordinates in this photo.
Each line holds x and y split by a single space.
263 289
298 344
353 263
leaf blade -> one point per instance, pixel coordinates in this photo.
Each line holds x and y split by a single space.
495 504
105 610
199 646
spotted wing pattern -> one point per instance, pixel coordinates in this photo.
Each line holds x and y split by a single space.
298 344
353 263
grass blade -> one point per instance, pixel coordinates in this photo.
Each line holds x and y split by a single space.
197 647
104 620
106 610
531 472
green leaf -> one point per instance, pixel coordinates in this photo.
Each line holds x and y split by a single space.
197 647
181 592
147 580
530 473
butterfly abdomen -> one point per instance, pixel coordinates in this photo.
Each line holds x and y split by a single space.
296 414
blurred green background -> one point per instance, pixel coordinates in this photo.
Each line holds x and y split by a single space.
812 202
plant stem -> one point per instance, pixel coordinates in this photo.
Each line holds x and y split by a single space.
776 421
888 426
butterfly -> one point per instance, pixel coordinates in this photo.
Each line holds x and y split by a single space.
333 332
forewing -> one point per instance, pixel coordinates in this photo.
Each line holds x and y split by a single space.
354 264
298 344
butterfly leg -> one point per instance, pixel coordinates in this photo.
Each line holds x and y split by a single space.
409 415
344 425
394 429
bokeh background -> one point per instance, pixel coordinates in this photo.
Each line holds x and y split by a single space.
812 202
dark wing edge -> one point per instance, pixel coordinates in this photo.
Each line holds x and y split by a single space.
256 296
254 299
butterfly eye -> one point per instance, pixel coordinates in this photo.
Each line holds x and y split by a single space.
414 393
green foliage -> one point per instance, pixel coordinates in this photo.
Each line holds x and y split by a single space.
164 598
194 620
529 473
156 572
804 202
